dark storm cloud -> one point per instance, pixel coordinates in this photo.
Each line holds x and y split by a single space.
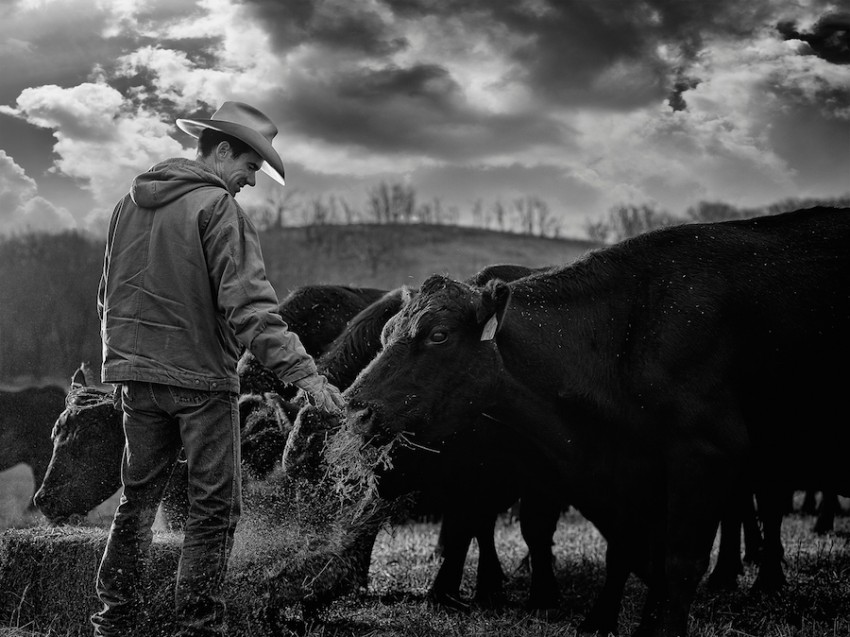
419 109
344 25
570 45
828 39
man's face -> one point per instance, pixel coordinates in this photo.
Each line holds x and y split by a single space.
237 172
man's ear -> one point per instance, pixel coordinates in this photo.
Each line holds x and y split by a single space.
223 149
490 312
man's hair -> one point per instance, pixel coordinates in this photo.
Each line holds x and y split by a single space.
210 138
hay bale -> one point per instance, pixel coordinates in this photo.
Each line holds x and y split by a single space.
47 576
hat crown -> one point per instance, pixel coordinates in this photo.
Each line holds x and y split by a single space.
248 116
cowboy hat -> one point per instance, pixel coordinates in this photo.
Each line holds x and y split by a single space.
246 123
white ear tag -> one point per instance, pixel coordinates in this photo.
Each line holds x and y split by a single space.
489 329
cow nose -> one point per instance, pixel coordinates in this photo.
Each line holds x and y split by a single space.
361 418
47 508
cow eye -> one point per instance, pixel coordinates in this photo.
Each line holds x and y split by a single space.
438 335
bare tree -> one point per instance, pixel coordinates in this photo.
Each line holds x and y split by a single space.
715 211
500 214
627 221
282 206
394 203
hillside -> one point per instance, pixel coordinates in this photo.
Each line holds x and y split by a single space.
48 283
387 256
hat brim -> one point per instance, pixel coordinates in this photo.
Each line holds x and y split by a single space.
272 163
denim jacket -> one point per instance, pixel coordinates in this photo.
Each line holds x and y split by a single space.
184 284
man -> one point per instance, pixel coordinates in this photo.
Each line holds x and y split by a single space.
183 287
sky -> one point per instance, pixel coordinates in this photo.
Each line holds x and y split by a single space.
584 104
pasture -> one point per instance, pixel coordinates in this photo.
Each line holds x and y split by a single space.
815 602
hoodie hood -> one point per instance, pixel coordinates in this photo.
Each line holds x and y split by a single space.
170 180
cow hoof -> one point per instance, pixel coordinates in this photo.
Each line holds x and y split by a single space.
767 586
720 582
449 602
491 599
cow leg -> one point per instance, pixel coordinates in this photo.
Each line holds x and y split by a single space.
490 578
729 564
538 520
810 503
826 513
752 533
771 577
604 614
456 533
698 478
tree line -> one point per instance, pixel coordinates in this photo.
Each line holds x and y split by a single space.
398 203
626 221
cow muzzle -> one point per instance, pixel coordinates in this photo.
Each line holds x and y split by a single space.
363 419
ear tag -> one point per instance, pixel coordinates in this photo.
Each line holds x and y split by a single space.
490 329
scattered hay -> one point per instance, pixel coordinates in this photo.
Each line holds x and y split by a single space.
325 511
305 538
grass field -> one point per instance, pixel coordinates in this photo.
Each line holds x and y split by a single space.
815 603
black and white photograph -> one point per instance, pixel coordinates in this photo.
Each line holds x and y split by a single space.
420 318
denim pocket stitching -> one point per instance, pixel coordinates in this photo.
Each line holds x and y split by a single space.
185 396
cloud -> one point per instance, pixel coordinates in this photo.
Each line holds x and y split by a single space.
102 140
594 104
21 208
828 39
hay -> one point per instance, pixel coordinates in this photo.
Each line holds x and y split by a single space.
305 538
47 577
326 511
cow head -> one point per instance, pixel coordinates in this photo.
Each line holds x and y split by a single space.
439 368
85 469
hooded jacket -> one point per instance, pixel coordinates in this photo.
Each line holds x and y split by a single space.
184 284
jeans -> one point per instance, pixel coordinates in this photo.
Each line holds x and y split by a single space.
159 420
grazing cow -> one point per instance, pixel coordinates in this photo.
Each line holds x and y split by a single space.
652 376
318 314
26 419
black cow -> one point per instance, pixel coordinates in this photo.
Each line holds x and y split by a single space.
318 313
26 419
653 376
470 481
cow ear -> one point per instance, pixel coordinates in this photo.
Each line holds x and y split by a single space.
79 378
491 311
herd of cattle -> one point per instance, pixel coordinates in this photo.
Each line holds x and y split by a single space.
658 386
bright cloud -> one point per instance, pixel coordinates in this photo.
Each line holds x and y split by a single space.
101 139
21 208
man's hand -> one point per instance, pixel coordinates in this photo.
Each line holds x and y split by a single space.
321 393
